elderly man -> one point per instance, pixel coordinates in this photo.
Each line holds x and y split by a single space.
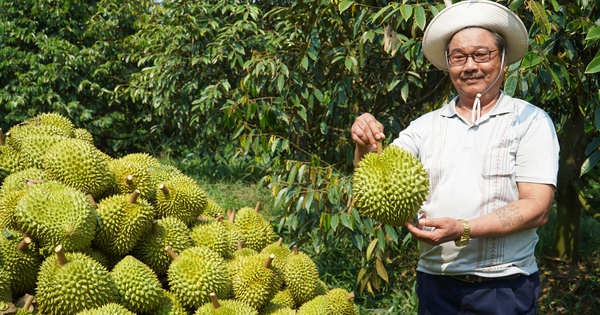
492 162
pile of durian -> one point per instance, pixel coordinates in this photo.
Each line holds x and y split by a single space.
83 233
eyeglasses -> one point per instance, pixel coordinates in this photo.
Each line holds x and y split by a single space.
480 56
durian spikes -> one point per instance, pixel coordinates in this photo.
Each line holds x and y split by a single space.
24 244
92 201
214 300
171 252
60 254
269 261
134 196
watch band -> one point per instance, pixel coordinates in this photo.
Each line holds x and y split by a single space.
466 236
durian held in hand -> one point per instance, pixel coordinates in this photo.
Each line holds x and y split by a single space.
390 185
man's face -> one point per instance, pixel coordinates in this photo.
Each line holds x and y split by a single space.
472 77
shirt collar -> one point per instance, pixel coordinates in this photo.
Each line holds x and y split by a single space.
501 107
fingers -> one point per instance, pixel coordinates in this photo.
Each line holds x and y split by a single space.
366 130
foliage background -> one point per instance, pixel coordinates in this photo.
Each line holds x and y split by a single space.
266 91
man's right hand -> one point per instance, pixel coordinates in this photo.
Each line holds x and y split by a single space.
366 131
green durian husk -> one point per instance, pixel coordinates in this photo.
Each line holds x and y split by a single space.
139 289
390 187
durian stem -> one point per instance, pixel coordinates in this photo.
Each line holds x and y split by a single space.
240 245
171 252
295 250
134 196
257 206
24 244
379 144
219 218
350 296
230 215
92 201
1 137
269 260
28 302
155 227
280 242
60 254
215 301
129 180
202 218
29 182
164 189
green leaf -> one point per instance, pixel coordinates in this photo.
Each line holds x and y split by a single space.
589 163
541 18
594 65
406 11
346 221
515 5
592 146
370 249
304 62
593 34
335 221
420 17
531 59
345 4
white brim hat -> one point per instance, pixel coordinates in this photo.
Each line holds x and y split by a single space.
482 13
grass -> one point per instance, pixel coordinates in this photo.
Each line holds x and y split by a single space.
565 288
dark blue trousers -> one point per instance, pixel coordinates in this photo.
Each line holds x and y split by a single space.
444 295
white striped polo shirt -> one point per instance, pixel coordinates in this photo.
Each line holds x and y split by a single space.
474 170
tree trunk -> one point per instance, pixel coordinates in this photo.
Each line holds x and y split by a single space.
572 141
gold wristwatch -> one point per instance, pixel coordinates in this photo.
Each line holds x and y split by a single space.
466 236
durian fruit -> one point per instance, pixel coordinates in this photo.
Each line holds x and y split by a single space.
256 281
52 214
197 272
169 305
213 209
316 306
107 309
69 283
301 276
282 311
180 197
55 120
281 253
390 187
22 179
5 288
132 174
83 134
34 148
19 257
215 235
150 249
10 161
162 173
122 218
255 229
80 165
281 302
225 307
18 133
341 302
138 287
142 158
8 203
